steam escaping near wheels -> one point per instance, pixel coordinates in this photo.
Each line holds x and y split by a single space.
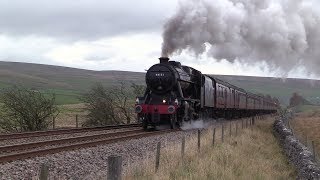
198 124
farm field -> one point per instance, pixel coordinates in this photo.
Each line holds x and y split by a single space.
306 125
69 83
254 154
68 112
67 115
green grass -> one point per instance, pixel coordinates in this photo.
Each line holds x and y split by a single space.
68 83
4 85
64 96
70 109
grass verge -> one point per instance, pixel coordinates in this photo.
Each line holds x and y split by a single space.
306 127
253 154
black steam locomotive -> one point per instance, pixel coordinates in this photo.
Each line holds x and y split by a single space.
177 94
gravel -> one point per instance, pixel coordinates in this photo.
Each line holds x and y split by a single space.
89 163
298 153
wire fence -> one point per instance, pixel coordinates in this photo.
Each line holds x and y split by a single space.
196 143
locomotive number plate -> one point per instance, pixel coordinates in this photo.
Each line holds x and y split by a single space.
160 74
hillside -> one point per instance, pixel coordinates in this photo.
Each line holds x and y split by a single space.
69 83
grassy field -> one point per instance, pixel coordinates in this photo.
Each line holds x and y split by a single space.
254 154
64 97
68 113
306 125
68 83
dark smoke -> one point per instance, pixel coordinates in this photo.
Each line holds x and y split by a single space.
283 33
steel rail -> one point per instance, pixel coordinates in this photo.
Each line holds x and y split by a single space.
52 150
40 144
62 131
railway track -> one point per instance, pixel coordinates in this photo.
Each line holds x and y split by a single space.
62 131
29 150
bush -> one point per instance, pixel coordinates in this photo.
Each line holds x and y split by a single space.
26 110
109 106
99 103
138 90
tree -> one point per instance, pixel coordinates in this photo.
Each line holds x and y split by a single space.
123 101
100 105
138 90
296 99
109 106
26 110
268 97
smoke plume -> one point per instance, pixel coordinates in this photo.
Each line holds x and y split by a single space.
283 33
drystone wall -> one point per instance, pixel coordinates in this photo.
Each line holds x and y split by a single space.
298 154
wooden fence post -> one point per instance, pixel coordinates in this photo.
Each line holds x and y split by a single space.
236 129
77 122
199 139
314 151
213 136
242 123
53 122
230 131
253 119
222 132
158 156
247 123
183 146
114 168
44 172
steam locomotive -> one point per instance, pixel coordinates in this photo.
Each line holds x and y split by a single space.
177 94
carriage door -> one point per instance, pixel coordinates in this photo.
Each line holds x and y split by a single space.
226 98
233 99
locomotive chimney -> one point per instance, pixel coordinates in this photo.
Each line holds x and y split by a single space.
163 59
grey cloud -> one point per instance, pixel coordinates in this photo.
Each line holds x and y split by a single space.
81 19
96 57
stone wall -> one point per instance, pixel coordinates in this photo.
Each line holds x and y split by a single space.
298 154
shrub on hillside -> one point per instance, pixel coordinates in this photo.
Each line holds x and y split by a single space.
296 100
26 110
109 106
138 90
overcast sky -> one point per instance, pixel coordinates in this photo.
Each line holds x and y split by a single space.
101 35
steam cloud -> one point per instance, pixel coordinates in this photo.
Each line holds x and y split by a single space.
283 33
199 124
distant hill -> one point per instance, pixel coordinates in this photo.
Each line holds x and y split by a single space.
69 83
